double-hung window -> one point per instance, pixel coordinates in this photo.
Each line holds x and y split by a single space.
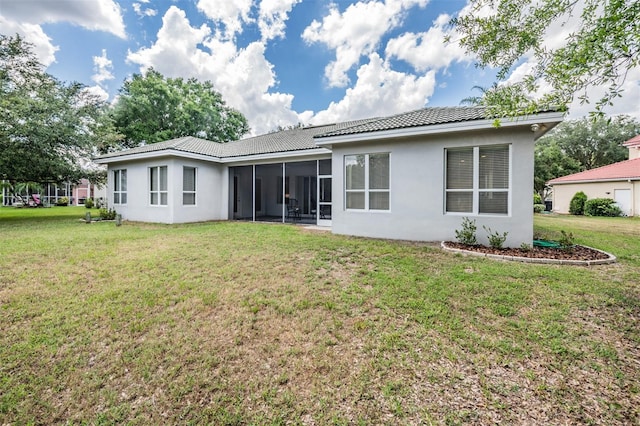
367 181
189 186
478 180
120 186
158 194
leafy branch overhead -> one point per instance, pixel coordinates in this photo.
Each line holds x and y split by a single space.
599 52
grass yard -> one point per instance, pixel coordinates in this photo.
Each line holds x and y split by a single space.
241 323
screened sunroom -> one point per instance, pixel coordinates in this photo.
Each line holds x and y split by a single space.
287 192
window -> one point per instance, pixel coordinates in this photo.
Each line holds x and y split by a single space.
158 194
120 186
477 180
189 186
367 181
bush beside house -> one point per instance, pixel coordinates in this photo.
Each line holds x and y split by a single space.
602 207
576 207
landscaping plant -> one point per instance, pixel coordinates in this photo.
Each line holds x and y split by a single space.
496 240
467 233
576 206
602 207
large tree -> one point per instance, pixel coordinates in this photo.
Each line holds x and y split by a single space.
600 52
550 162
47 128
152 108
577 145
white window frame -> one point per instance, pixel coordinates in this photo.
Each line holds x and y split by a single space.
195 186
366 190
159 192
118 192
476 190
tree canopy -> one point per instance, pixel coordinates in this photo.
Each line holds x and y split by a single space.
578 145
152 108
600 52
46 127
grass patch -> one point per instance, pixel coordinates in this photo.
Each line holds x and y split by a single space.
242 323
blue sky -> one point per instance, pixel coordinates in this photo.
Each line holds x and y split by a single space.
277 61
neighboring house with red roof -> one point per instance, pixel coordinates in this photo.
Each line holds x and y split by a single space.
619 181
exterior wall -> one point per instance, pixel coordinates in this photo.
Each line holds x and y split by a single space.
211 191
562 194
417 187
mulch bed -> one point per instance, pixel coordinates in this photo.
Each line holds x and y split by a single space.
575 253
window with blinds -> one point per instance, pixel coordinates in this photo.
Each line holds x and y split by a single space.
477 180
367 181
189 186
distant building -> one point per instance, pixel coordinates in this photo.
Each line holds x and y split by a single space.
52 192
619 181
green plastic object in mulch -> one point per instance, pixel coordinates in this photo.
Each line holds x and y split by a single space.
545 243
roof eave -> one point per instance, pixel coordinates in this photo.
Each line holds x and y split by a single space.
546 121
617 179
156 154
276 155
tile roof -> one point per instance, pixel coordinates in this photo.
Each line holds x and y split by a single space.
305 138
418 118
185 144
284 141
634 141
629 169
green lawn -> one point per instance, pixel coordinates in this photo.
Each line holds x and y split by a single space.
241 323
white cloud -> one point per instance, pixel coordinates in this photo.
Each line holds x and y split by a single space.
100 15
137 8
427 50
102 66
231 13
175 51
99 92
243 76
272 17
355 33
379 91
42 47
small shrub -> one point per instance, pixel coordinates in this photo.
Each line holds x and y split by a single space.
537 199
602 207
525 247
467 235
107 214
88 203
62 201
496 240
576 206
100 203
538 208
566 240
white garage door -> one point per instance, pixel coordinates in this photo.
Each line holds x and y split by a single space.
623 200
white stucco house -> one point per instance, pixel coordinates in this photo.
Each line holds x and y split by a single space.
410 176
618 181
